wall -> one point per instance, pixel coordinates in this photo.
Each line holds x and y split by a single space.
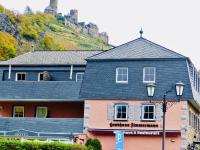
96 117
55 110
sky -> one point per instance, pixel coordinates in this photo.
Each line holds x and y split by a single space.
174 24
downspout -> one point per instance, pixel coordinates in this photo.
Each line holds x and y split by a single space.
9 71
71 72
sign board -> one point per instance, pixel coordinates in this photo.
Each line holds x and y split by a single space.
119 140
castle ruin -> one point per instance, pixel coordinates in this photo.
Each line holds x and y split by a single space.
71 19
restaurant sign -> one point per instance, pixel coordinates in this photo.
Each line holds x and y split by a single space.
132 125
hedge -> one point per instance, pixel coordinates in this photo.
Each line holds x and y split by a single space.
17 145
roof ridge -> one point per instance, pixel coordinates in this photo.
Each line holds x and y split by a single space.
65 50
116 47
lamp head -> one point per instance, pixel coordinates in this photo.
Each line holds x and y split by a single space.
179 88
150 89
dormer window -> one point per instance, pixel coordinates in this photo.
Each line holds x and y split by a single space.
20 76
149 74
79 76
122 75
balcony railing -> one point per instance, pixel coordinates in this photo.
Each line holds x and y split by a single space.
44 127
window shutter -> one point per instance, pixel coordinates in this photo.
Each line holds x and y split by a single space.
158 111
137 111
131 112
110 111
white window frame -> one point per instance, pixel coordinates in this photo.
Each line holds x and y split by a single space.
15 112
116 76
16 76
78 73
115 107
154 113
39 76
144 75
41 107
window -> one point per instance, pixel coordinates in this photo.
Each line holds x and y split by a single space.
18 111
149 74
148 112
41 112
79 76
122 75
41 76
121 111
20 76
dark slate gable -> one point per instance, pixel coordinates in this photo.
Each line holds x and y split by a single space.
51 58
99 79
140 48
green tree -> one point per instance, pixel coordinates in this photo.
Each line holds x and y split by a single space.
47 43
94 143
28 11
1 9
8 46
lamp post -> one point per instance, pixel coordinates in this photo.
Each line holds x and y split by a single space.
179 86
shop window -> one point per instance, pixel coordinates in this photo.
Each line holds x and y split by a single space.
79 76
122 75
149 74
41 112
20 76
18 111
121 111
148 112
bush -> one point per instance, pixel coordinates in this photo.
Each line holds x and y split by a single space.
1 9
55 28
47 43
8 46
17 145
94 143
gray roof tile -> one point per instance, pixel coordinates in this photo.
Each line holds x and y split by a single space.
137 49
51 58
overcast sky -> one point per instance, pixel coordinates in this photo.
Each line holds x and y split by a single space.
174 24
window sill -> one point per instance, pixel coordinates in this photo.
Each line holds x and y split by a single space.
148 120
120 120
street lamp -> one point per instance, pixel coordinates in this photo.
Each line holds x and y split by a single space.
179 92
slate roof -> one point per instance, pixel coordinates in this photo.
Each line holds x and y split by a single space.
51 58
41 91
140 48
45 125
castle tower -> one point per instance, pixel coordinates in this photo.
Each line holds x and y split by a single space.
54 5
74 15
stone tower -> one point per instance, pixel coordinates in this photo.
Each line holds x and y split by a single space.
74 15
54 5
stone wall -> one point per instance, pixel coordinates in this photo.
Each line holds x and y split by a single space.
7 26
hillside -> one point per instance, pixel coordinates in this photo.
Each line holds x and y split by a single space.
18 32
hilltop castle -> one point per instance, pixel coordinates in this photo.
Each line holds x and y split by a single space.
71 20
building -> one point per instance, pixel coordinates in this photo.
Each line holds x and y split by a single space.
39 96
73 95
52 8
118 96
